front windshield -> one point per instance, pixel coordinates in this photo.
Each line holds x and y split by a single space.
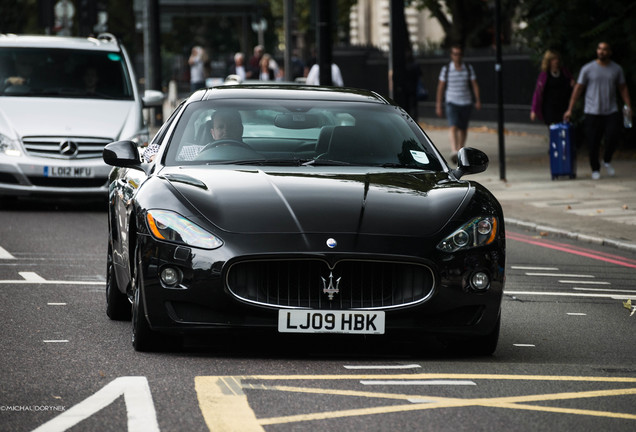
298 132
45 72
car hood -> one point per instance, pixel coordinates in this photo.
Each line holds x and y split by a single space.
29 116
387 202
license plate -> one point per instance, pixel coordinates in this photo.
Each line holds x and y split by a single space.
61 171
317 321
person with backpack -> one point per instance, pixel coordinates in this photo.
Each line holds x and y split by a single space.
458 86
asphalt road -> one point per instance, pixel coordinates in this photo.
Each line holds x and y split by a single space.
565 359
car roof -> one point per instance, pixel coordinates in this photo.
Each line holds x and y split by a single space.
103 42
289 91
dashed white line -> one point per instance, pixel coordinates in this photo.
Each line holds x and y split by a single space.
604 290
56 304
584 282
560 275
567 294
409 366
55 340
525 345
534 268
417 382
576 314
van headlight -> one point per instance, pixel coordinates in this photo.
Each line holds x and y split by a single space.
172 227
9 147
478 232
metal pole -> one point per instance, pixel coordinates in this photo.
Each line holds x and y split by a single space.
288 39
324 41
398 49
500 108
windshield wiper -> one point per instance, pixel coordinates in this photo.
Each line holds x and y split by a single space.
324 162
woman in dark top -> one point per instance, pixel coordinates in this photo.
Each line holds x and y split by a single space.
553 89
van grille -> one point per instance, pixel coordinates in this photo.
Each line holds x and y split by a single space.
66 147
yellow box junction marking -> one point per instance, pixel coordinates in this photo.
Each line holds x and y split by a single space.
225 406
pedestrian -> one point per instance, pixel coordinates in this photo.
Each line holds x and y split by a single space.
197 61
599 80
266 71
456 80
313 77
254 66
553 90
238 68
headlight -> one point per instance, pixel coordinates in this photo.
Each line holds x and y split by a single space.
172 227
9 147
478 232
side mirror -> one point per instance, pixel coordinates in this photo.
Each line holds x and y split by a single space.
470 161
153 98
122 154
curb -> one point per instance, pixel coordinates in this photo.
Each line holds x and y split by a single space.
572 235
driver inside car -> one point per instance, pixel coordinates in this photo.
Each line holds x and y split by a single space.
227 125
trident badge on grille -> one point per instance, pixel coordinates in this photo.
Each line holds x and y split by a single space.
330 289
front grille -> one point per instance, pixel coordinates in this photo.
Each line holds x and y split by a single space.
360 284
50 147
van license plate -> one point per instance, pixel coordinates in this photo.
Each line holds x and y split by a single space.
60 171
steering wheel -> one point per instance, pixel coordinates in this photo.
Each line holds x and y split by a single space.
223 142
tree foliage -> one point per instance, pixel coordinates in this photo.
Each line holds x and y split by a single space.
470 23
574 28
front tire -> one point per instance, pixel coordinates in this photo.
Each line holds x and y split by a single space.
117 304
143 338
477 345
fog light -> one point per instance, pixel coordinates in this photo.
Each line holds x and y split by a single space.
480 281
171 276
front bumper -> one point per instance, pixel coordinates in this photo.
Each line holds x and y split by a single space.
35 176
203 302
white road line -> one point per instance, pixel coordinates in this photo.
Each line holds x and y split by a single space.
4 254
49 282
525 345
419 401
56 304
32 277
576 314
604 290
417 382
534 268
565 294
409 366
560 275
55 341
140 408
584 282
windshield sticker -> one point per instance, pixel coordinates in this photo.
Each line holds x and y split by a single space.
419 157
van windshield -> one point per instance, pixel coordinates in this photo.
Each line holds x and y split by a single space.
46 72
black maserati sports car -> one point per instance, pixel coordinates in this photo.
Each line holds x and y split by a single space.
300 209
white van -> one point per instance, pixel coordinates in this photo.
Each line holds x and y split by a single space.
62 99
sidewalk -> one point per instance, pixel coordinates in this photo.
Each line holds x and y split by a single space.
598 211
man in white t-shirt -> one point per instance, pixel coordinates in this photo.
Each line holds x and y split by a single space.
599 79
456 80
